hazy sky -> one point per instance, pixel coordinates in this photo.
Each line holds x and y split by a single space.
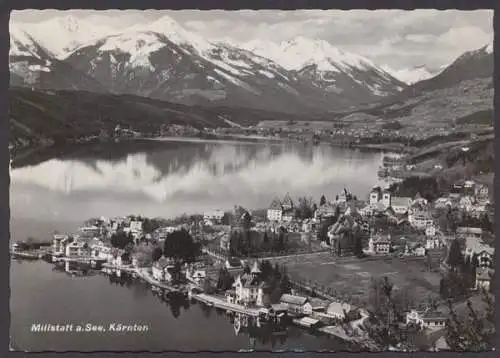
396 38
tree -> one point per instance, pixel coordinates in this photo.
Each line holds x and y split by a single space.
428 261
208 286
285 284
382 326
225 280
474 333
179 245
305 208
246 269
322 201
323 230
455 257
226 219
265 238
358 245
120 240
156 254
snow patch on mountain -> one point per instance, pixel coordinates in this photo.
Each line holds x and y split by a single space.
63 34
412 75
21 43
237 82
301 52
38 68
267 73
138 45
176 34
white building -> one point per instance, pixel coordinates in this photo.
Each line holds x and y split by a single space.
249 289
214 216
374 196
400 205
483 252
379 244
466 203
430 231
275 211
339 310
420 219
432 243
296 304
100 251
135 226
162 269
77 248
426 319
483 278
59 243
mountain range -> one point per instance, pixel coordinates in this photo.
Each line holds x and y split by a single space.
162 60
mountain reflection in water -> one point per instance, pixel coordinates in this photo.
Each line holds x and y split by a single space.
172 178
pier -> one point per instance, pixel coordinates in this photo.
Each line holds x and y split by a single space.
219 303
143 274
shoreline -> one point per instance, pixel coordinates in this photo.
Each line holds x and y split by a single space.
213 301
51 150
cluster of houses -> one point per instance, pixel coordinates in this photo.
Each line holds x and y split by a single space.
250 290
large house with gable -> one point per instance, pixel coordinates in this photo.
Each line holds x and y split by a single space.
249 289
281 210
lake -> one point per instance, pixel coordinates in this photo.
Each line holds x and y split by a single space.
40 294
170 178
59 190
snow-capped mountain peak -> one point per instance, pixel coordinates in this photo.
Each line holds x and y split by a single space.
66 33
175 33
301 51
413 74
139 45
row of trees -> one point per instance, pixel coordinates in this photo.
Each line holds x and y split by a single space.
462 274
246 242
429 188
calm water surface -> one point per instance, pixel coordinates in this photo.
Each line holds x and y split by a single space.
171 178
58 192
41 294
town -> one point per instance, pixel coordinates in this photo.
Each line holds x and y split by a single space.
405 260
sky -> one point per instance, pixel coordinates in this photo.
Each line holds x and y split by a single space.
398 39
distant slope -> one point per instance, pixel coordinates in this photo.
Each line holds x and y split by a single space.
56 115
461 93
471 65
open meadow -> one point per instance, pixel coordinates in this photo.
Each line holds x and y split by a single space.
350 278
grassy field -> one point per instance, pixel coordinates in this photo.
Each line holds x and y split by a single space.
351 277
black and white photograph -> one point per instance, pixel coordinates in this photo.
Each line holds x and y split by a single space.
251 180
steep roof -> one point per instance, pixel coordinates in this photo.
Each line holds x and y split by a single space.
433 315
469 230
287 200
381 239
292 299
255 268
275 204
